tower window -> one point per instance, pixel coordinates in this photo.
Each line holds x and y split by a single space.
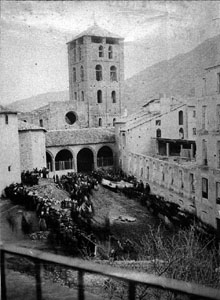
100 122
82 96
194 131
99 96
205 188
180 117
80 53
194 113
101 51
110 52
181 133
75 95
113 73
74 74
204 152
114 120
82 73
158 133
41 122
6 119
113 97
204 125
98 70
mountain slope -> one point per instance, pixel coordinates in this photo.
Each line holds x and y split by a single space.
175 77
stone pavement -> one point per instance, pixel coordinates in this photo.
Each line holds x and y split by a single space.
22 287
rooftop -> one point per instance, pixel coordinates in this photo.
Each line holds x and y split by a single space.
79 136
24 126
5 110
96 30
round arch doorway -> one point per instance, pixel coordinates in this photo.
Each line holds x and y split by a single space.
85 160
105 157
64 160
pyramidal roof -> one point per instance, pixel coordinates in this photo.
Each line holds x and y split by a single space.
96 30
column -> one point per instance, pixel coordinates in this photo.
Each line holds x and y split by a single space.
191 151
168 149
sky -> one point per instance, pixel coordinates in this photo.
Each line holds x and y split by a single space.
33 58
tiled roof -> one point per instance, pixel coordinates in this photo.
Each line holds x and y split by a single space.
25 126
79 136
5 110
95 30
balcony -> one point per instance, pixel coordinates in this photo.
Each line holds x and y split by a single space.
132 278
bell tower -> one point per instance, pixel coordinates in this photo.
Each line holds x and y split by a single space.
96 75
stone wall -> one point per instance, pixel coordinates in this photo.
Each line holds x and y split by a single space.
9 154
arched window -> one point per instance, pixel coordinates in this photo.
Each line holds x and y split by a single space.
113 97
180 117
41 123
158 133
82 96
98 70
101 51
99 96
110 52
100 122
74 74
181 133
114 120
82 73
113 73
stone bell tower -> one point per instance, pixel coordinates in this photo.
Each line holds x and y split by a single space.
96 75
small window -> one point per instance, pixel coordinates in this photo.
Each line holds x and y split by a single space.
111 41
218 83
114 120
101 51
9 168
98 70
80 53
218 193
25 121
113 73
96 39
75 95
74 74
204 117
110 52
6 119
70 118
180 117
113 97
82 73
82 96
100 122
99 96
204 152
205 188
41 123
158 122
158 133
194 113
80 40
194 131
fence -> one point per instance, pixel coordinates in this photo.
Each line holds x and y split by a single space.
63 165
104 161
133 278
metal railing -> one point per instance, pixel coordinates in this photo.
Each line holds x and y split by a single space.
104 161
133 278
63 165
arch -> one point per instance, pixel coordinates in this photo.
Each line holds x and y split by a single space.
180 117
158 133
64 160
100 122
85 160
181 133
82 73
49 161
99 96
110 52
98 71
105 157
113 96
113 73
74 74
101 51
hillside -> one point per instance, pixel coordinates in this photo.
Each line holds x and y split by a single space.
175 77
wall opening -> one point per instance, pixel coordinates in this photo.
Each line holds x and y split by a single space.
105 157
85 160
64 160
70 118
49 161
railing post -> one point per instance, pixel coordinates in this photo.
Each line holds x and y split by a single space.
131 290
38 279
80 285
3 279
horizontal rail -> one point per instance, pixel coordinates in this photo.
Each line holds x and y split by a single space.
132 277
